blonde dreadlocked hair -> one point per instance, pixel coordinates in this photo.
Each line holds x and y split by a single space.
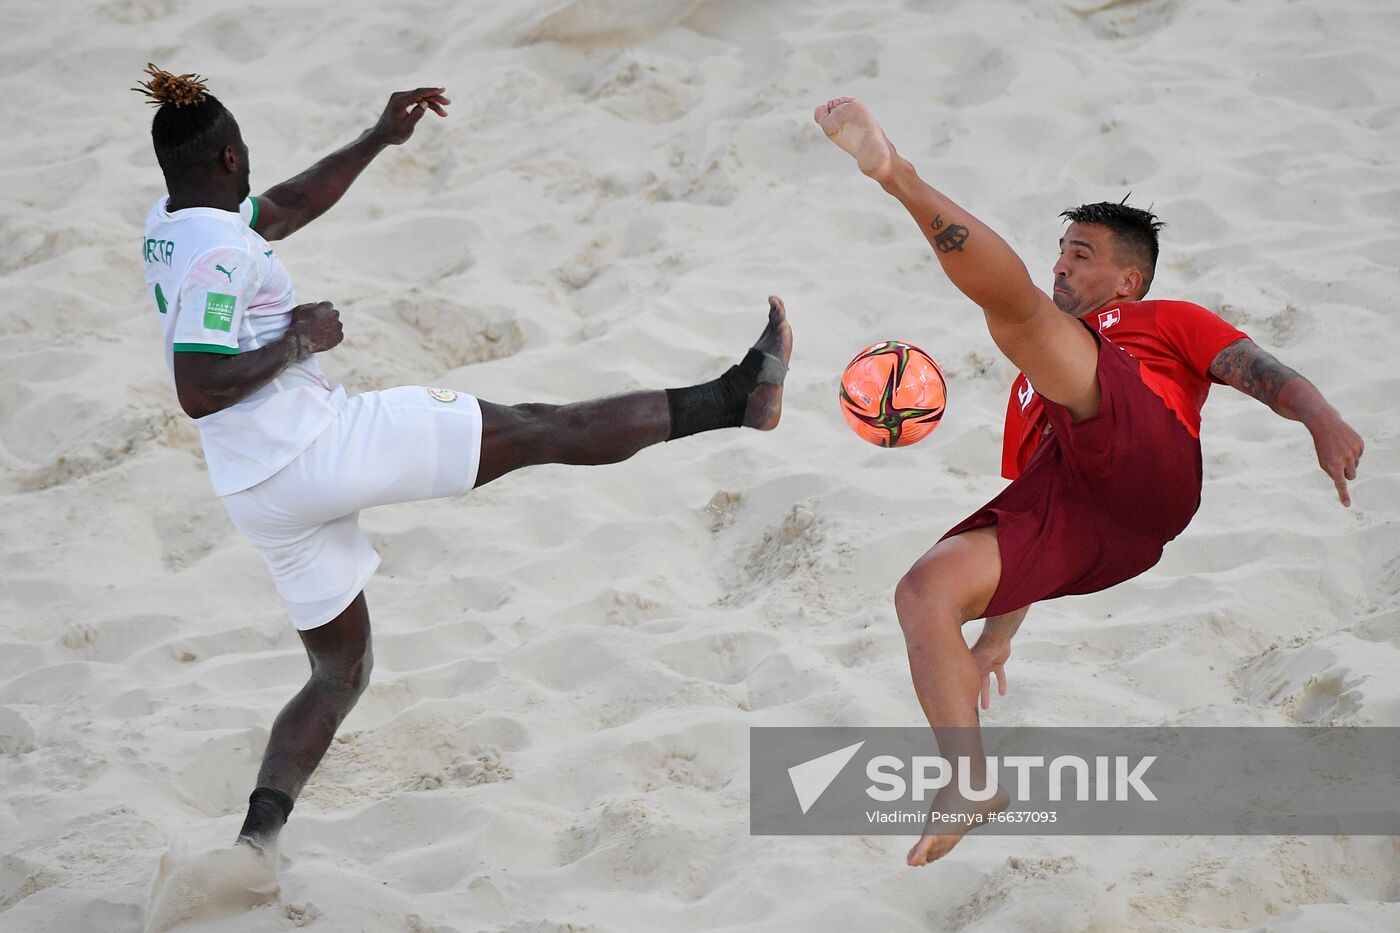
187 90
191 128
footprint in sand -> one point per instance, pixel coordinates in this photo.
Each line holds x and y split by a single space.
1125 19
210 886
590 22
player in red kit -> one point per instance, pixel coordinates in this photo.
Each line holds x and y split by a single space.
1102 440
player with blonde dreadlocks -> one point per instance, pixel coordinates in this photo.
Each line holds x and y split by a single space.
292 457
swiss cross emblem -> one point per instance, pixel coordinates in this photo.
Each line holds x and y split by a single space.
1108 318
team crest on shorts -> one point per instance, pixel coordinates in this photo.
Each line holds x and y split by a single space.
443 395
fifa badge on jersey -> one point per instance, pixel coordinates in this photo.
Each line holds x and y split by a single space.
443 395
218 311
1108 318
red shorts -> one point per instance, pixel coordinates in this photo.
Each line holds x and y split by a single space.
1099 498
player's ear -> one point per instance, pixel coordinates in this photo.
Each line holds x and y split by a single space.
233 159
1131 283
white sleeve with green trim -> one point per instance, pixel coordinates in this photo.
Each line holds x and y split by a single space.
213 298
248 210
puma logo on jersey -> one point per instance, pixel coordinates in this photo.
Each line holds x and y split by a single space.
227 272
268 254
1108 318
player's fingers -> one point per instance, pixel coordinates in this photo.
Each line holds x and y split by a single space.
986 692
1342 493
401 99
421 93
1001 680
415 114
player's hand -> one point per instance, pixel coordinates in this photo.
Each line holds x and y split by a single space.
991 658
1339 451
315 328
405 109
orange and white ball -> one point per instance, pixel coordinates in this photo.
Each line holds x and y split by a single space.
893 394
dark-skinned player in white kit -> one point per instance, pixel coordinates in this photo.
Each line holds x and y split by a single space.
294 459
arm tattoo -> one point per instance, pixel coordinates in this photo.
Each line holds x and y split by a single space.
938 222
952 239
1252 370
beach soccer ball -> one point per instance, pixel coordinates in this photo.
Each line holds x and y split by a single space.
893 394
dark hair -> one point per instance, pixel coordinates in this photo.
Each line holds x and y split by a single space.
1134 232
191 128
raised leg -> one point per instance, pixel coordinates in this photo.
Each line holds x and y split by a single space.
608 430
948 586
341 660
1053 349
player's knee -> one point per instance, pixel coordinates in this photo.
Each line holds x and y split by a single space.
551 424
917 595
536 431
347 678
359 680
533 412
515 436
932 592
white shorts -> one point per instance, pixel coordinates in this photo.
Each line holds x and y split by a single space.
396 445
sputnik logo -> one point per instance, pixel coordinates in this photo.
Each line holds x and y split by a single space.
811 778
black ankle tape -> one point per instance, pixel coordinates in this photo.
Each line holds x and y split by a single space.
718 403
284 802
268 810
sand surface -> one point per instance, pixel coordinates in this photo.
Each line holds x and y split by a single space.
568 661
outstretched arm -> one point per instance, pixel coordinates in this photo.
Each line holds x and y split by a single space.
1256 373
286 208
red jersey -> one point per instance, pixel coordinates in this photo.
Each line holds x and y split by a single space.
1173 341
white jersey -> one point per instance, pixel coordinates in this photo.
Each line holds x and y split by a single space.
218 287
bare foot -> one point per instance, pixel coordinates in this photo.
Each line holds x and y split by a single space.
850 126
934 845
765 405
